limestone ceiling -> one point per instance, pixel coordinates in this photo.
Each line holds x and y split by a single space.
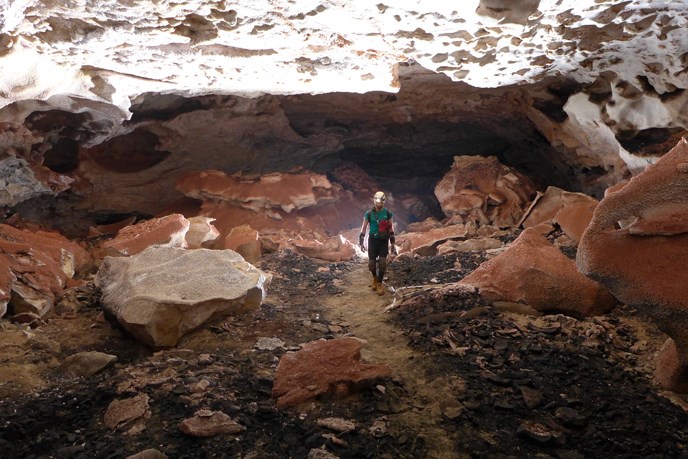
118 98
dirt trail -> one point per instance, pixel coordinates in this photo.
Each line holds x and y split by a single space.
426 400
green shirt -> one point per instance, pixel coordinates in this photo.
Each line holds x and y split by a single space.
377 219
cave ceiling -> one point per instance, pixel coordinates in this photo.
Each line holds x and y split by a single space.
105 105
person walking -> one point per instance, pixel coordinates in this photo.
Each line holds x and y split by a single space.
381 233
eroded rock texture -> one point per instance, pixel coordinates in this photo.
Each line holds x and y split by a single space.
637 245
109 104
275 121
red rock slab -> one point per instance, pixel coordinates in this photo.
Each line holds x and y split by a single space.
425 243
244 240
35 266
208 423
571 211
169 231
280 191
534 272
50 243
323 367
333 249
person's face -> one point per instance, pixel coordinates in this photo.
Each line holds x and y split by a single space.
378 203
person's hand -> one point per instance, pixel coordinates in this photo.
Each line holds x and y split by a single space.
361 239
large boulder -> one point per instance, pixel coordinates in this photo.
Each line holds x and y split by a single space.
534 272
162 293
637 245
483 191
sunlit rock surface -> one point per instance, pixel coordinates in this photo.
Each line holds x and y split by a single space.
168 231
122 99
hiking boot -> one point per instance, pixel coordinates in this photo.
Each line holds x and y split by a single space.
380 290
375 283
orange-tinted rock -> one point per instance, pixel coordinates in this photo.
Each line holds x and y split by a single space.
323 367
169 231
483 191
426 243
201 232
272 191
637 245
571 211
534 272
110 229
333 249
671 369
39 264
7 278
244 240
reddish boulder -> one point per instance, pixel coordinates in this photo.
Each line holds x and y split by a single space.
571 211
244 240
483 191
323 367
534 272
35 267
637 245
168 231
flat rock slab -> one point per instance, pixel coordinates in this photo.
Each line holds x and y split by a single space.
163 293
323 367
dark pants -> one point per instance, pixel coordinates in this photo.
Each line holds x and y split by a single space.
377 256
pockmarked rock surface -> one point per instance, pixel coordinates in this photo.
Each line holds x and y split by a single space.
483 191
534 272
637 245
323 367
162 293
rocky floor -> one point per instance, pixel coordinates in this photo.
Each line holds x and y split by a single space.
487 383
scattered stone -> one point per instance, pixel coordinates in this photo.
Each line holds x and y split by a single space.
87 363
148 454
121 412
318 453
208 423
337 424
269 344
540 434
570 417
531 397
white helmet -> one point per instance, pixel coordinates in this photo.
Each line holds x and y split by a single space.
379 197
